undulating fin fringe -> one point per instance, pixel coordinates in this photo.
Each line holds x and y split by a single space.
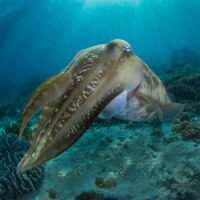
152 90
164 111
152 86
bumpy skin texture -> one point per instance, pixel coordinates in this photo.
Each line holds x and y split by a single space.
12 185
73 98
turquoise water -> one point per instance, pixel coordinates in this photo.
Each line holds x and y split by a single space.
115 159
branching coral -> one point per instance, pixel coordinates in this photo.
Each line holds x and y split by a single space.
12 185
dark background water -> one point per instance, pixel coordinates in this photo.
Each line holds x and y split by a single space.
38 38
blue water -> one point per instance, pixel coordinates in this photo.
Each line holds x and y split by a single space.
41 37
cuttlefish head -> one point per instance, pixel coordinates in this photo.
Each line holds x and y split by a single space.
125 63
119 50
72 99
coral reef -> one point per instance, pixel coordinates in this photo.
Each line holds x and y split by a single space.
187 126
185 88
13 185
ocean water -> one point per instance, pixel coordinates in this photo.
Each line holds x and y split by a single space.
114 159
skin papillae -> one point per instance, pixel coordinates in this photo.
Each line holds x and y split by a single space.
72 99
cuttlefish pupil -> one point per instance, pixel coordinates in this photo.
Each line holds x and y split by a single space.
126 48
105 81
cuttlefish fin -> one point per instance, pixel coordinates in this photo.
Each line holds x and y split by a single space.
170 111
164 112
152 89
151 85
48 91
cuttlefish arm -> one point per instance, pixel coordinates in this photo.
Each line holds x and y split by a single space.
98 76
48 91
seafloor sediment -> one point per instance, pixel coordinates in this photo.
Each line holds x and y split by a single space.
129 162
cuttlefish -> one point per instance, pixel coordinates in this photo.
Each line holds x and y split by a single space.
104 81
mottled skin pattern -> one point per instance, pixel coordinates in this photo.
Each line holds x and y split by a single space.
72 99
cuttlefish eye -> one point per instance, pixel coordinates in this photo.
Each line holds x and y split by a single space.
126 48
120 45
119 49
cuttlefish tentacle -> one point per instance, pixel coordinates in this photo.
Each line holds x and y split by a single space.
45 118
48 91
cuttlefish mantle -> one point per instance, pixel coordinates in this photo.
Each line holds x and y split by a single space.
107 80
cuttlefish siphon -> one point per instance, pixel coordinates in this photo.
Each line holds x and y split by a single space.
104 81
